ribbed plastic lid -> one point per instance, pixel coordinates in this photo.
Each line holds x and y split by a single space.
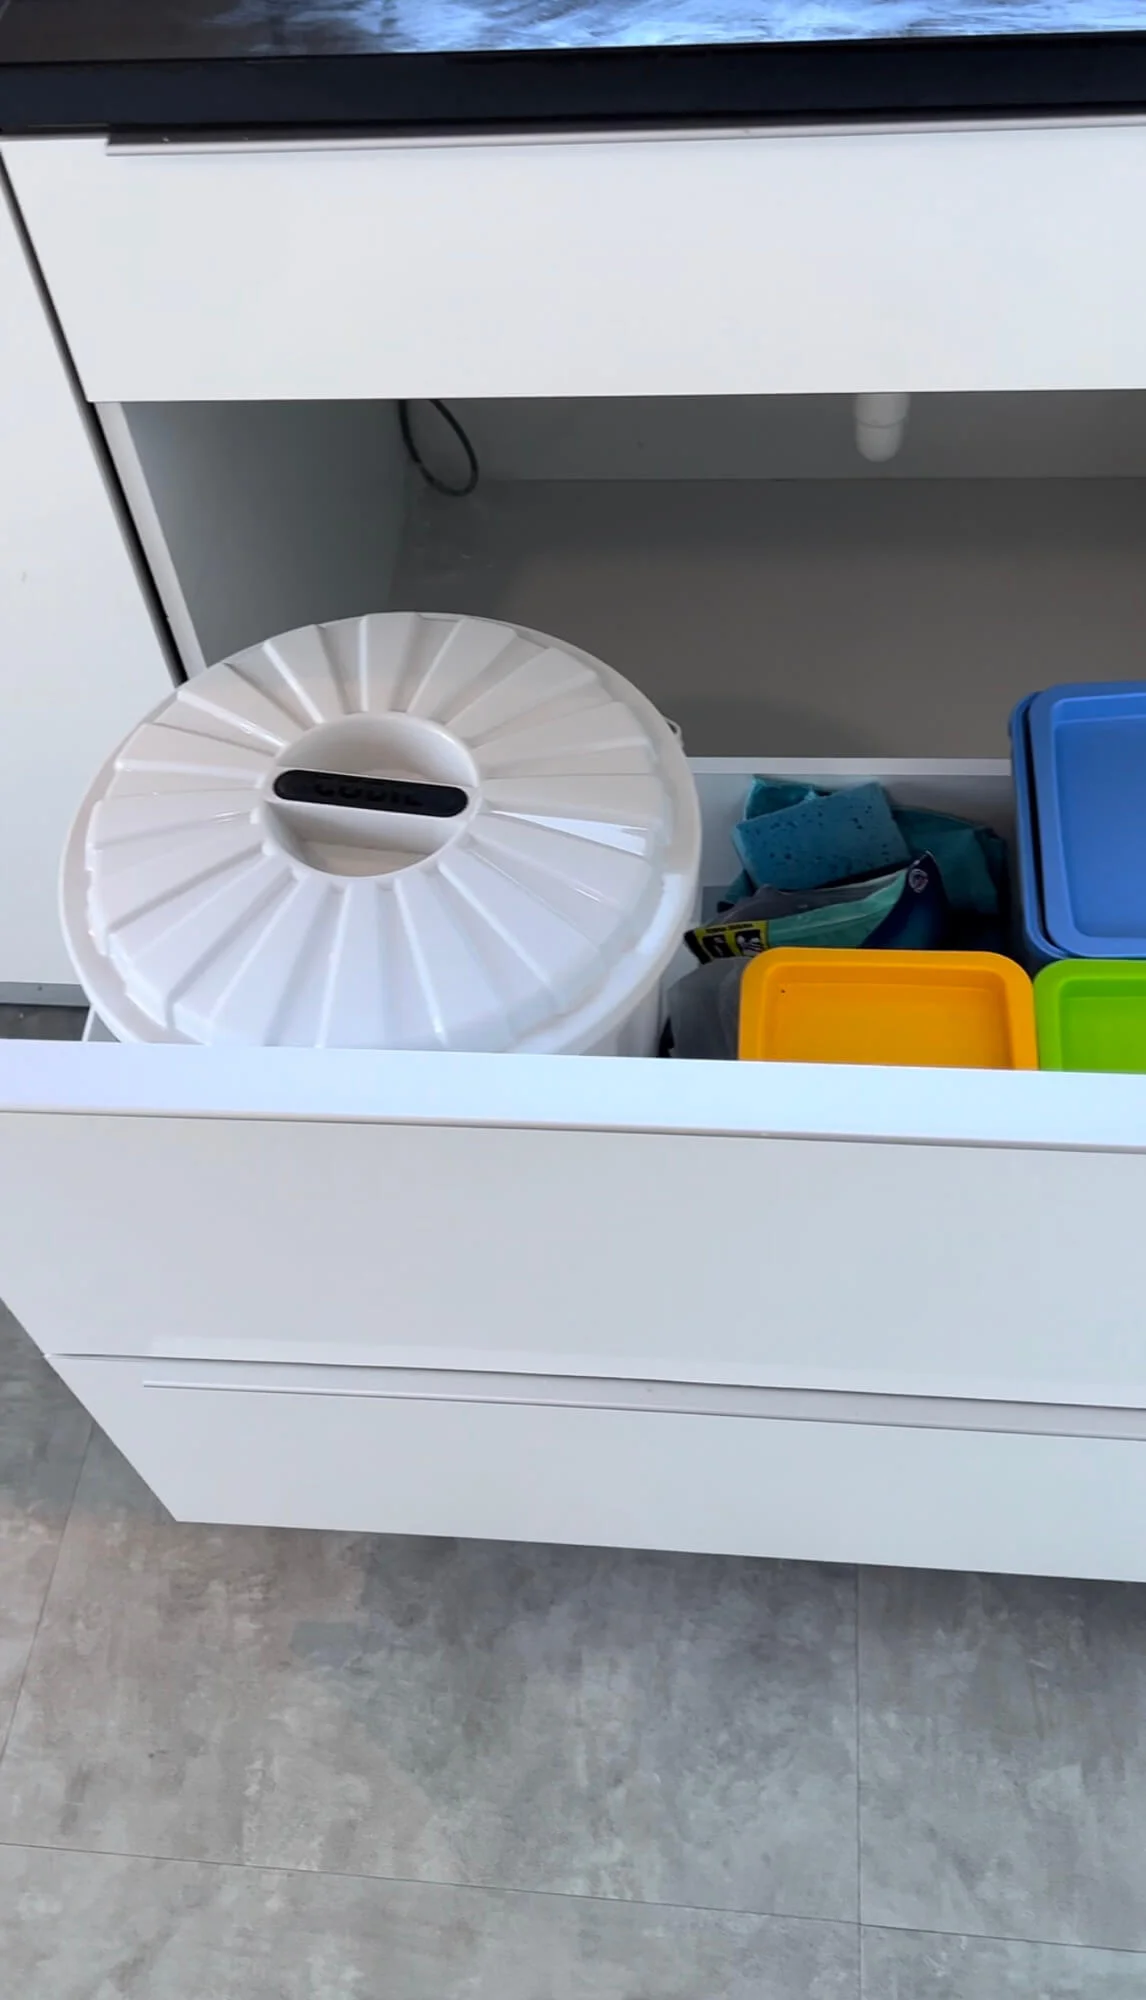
399 831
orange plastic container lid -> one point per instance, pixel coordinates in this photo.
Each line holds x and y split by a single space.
930 1009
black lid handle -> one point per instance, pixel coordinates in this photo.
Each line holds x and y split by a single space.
392 795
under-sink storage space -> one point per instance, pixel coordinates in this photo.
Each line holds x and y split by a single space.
770 588
744 561
869 583
865 584
836 589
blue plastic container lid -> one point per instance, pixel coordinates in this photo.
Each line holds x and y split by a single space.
1088 756
1040 949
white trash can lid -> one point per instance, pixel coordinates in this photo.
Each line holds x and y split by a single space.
400 831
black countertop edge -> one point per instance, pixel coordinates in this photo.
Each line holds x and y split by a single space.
926 78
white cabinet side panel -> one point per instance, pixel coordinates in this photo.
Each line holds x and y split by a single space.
823 1492
80 661
926 1270
271 515
662 265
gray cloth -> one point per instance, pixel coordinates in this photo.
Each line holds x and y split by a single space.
704 1011
767 905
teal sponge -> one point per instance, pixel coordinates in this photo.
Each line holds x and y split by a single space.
824 839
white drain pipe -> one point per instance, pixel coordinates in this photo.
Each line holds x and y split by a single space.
880 424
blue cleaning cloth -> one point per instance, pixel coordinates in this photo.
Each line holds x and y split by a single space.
972 858
766 795
822 838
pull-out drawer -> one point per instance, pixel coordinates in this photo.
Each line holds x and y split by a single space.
878 1313
719 263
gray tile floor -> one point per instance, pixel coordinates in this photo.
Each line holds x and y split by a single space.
250 1765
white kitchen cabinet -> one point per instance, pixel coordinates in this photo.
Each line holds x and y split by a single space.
80 655
879 1315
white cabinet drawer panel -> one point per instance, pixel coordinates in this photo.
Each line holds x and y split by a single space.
659 265
836 1492
919 1269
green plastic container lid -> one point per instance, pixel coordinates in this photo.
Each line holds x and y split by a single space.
1091 1014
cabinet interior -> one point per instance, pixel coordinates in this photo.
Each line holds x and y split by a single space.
771 590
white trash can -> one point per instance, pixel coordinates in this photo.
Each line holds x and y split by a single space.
403 831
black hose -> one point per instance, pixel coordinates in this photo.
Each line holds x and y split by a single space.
431 478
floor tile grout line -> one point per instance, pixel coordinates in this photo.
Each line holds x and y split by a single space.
422 1882
561 1895
86 1453
1005 1937
22 1682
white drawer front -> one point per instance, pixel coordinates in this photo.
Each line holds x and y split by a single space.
820 1491
663 265
929 1270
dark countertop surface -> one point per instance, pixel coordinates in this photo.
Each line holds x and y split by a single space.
185 65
